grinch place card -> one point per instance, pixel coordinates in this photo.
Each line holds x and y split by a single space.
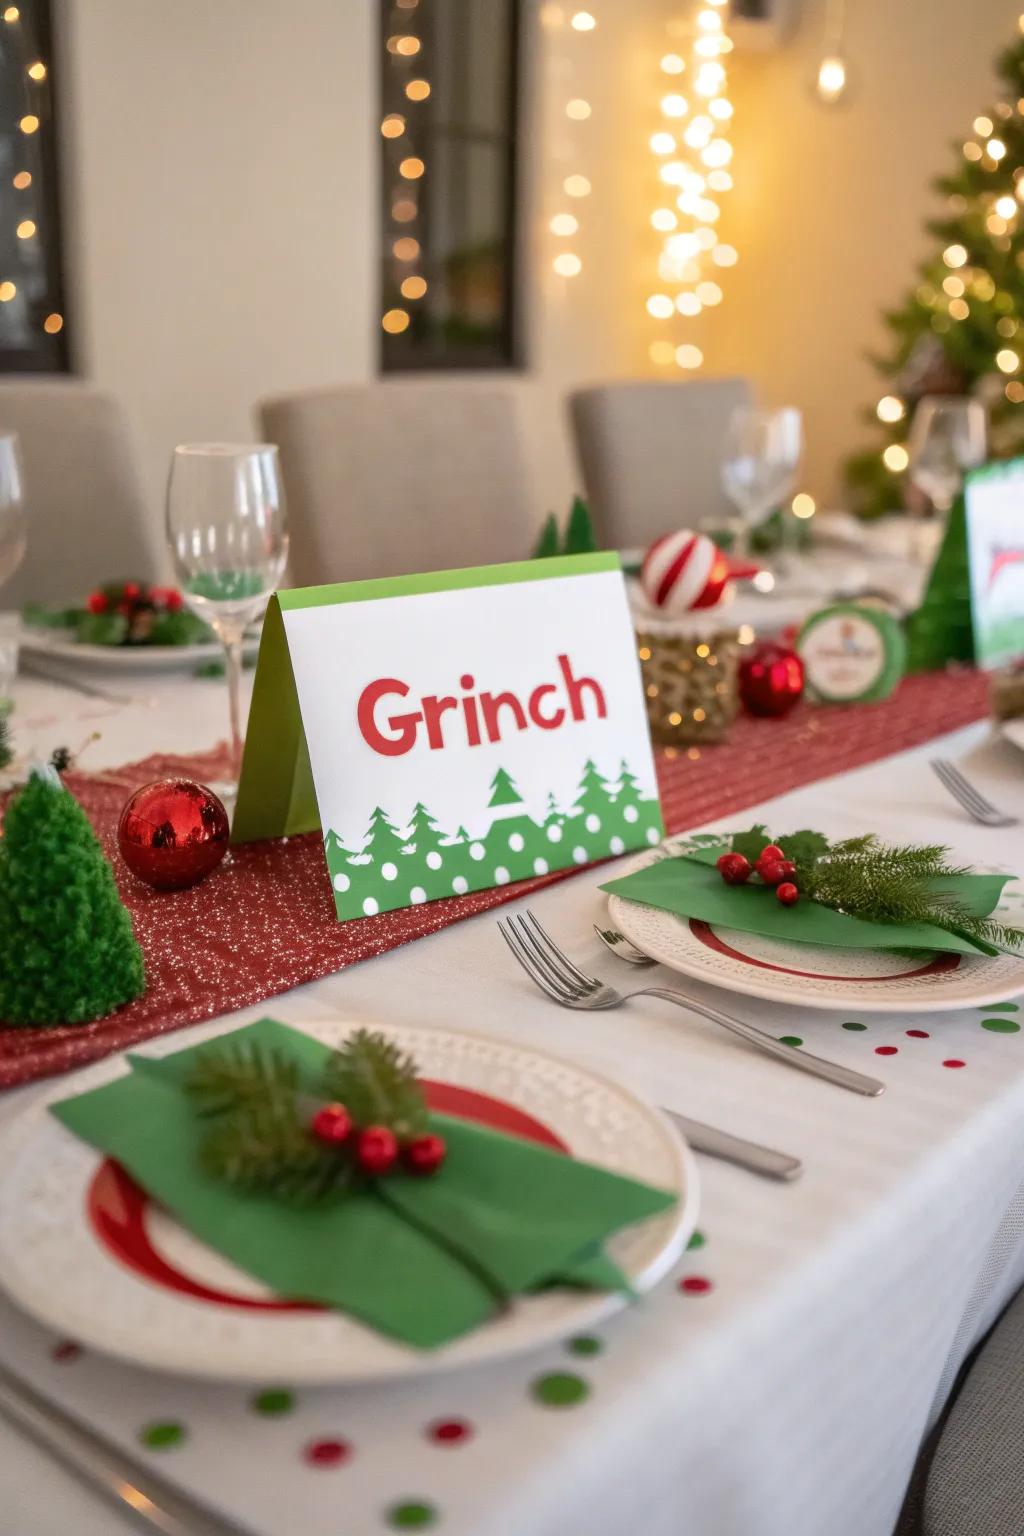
994 508
452 731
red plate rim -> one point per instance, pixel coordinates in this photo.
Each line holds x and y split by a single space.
705 934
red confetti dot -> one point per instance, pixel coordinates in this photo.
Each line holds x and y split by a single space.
449 1431
66 1351
886 1050
954 1062
918 1034
327 1453
695 1285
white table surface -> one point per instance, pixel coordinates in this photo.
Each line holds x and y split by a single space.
789 1398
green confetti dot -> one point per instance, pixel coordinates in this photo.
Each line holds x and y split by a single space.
274 1402
1003 1008
560 1390
1001 1026
162 1437
697 1240
852 1024
586 1344
790 1040
412 1515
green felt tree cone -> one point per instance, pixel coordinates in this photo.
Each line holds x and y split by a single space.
67 950
940 630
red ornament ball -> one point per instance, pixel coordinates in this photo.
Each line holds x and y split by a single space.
332 1124
733 868
787 893
376 1150
771 679
424 1154
172 833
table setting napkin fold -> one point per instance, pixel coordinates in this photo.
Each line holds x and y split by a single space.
424 1260
691 887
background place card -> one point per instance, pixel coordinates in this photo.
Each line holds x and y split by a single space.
994 505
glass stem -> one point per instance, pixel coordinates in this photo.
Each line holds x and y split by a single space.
232 640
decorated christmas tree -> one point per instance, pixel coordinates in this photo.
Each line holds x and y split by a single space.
67 950
958 330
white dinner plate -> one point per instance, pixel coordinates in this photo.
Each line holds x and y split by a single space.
85 1251
52 645
813 976
1013 730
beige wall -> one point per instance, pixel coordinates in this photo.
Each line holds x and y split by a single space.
223 174
829 207
223 192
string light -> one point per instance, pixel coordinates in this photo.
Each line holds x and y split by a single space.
405 208
26 229
583 22
29 123
576 186
983 126
11 14
413 287
890 408
564 224
995 149
412 168
395 321
7 292
955 255
22 180
418 90
692 152
832 80
37 71
973 151
896 458
393 126
804 505
1006 207
567 265
1007 360
53 323
577 109
405 249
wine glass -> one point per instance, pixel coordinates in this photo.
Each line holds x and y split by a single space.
762 456
227 530
947 437
13 538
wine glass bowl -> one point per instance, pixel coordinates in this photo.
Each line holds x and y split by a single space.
227 532
948 436
13 522
760 464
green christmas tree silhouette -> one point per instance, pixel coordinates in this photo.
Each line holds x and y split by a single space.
552 815
594 800
382 841
69 952
503 791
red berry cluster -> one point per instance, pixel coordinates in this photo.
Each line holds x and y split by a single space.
376 1148
772 868
129 597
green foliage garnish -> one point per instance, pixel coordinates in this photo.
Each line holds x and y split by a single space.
261 1139
881 883
377 1084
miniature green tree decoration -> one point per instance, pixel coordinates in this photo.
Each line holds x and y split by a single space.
69 952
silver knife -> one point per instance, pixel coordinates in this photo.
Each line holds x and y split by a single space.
141 1494
733 1149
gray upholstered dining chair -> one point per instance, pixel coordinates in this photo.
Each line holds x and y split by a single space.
401 476
970 1478
650 454
87 521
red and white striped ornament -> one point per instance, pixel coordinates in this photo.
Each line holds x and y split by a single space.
683 571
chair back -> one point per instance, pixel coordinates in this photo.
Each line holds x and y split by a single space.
651 455
402 476
87 520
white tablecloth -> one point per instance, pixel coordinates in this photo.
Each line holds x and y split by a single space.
787 1396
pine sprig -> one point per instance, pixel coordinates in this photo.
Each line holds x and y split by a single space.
234 1076
262 1139
377 1084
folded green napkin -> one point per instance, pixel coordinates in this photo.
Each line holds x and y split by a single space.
690 886
422 1259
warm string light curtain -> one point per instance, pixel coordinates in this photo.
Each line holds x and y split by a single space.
693 155
406 165
570 32
27 281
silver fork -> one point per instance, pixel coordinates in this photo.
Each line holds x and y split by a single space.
619 945
568 986
972 800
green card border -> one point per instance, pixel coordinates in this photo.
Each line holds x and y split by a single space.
515 573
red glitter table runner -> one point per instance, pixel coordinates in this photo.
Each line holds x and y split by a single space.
264 921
